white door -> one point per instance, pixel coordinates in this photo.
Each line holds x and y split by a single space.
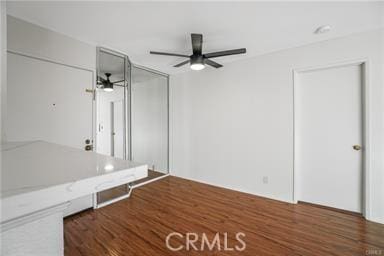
328 123
110 119
118 128
48 101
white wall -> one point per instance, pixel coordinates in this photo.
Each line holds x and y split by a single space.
234 126
30 39
49 47
47 101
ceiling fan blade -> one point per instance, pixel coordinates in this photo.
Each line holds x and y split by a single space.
100 80
212 63
197 43
169 54
116 82
225 53
181 64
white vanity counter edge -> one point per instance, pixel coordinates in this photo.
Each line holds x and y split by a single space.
38 175
26 203
39 180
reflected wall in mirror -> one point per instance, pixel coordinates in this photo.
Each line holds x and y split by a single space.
112 81
49 101
149 118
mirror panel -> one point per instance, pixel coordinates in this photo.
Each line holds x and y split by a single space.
149 119
111 104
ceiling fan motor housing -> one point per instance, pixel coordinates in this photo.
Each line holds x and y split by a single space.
197 59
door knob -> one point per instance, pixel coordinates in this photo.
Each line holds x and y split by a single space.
356 147
88 147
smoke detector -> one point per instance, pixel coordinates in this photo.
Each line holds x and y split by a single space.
323 29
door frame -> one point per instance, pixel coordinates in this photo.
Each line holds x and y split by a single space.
366 129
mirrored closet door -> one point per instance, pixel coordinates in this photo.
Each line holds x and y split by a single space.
132 115
149 119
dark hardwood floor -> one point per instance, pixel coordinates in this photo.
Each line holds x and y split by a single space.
139 225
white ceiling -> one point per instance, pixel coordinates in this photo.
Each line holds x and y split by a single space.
135 28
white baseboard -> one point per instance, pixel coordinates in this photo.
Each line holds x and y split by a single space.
237 189
377 220
149 181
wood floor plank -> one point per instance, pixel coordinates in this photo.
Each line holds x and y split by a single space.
139 225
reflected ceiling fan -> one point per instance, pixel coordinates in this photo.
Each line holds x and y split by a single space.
198 60
106 83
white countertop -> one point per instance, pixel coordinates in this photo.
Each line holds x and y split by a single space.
38 174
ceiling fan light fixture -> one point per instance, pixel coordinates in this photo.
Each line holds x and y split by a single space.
108 89
197 66
197 63
107 85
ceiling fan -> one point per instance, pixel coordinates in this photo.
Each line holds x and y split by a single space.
107 85
198 60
